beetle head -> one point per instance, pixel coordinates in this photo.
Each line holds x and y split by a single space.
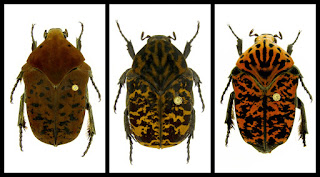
269 37
55 32
158 37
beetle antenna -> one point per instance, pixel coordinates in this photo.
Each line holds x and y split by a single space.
250 34
174 36
142 34
280 36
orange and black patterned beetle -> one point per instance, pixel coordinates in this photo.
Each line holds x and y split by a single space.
56 94
265 81
159 106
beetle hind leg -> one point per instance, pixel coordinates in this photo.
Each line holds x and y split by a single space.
229 116
192 125
128 132
303 124
21 121
91 128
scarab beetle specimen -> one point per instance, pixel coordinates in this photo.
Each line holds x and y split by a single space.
265 81
159 105
56 94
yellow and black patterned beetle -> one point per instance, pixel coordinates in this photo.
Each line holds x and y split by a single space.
159 106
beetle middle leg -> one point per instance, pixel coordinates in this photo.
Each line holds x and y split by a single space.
188 45
91 128
197 82
122 80
94 85
15 85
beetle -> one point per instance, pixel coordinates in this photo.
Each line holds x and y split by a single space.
265 81
159 105
55 93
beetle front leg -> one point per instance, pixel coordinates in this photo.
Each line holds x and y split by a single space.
78 40
91 128
303 124
122 80
34 43
289 49
21 121
188 45
129 44
197 82
239 42
229 116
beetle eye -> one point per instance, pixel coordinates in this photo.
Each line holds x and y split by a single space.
45 34
65 33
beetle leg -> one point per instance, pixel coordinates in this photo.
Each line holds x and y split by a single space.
15 85
303 124
305 88
21 121
229 116
129 44
230 78
78 40
239 42
94 85
192 125
289 49
91 128
128 133
122 80
188 45
34 43
197 82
